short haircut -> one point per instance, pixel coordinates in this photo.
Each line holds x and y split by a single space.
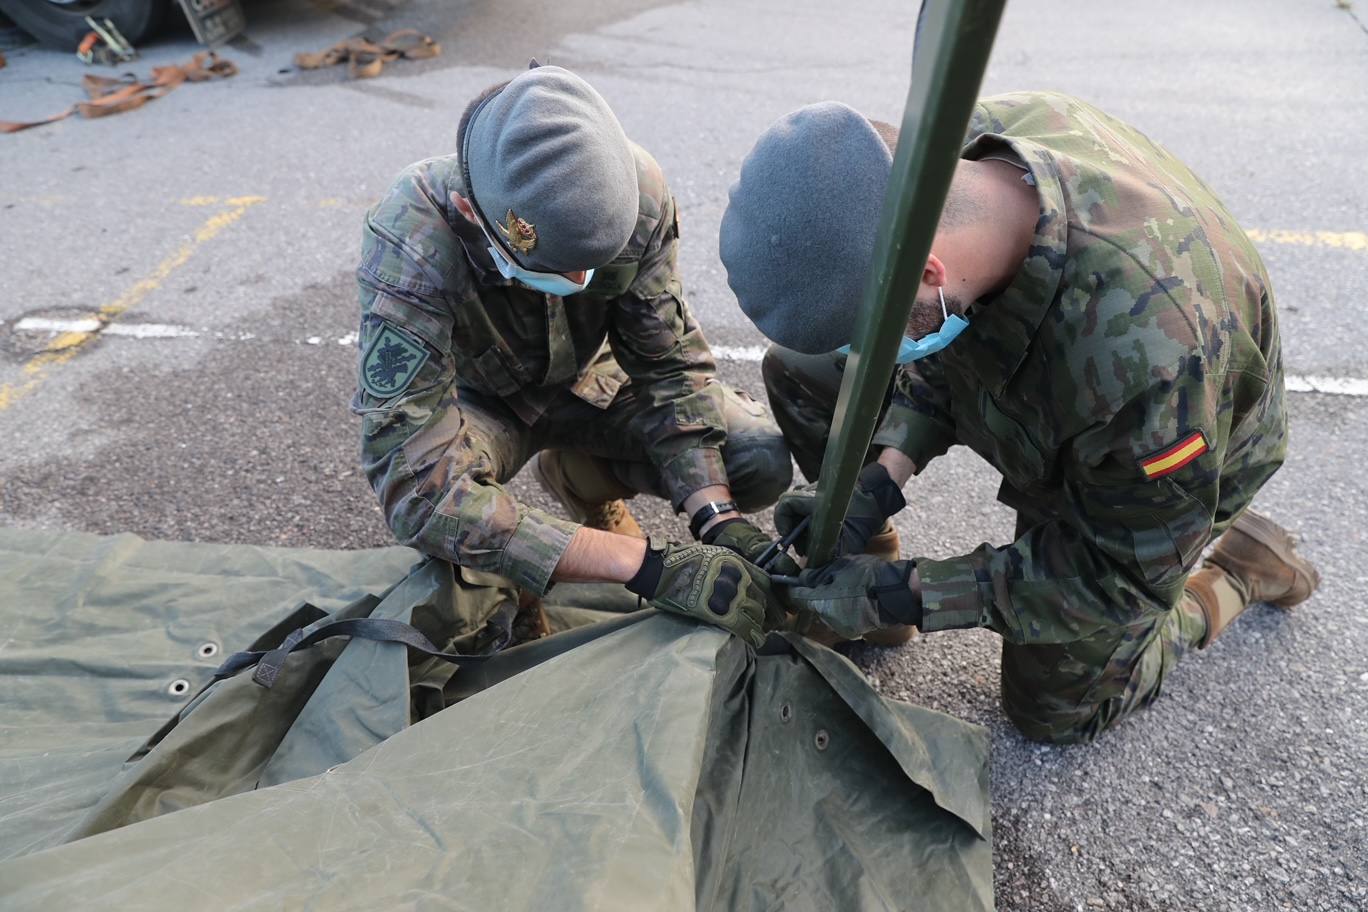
964 204
470 111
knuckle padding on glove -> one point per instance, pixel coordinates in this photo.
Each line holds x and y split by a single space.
724 591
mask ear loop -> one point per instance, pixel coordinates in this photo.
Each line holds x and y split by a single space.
945 314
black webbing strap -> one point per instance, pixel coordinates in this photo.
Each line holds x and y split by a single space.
269 662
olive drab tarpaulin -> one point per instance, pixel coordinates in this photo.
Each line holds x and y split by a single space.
636 761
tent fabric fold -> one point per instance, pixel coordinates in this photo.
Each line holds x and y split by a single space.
634 760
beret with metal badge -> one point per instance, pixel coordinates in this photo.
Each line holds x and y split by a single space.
551 171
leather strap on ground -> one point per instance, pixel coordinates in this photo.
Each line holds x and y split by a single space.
365 59
128 93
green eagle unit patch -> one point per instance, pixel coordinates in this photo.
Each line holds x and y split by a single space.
390 363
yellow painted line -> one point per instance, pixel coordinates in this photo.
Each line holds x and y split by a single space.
1344 240
66 345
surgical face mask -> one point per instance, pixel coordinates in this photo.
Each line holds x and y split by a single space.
548 282
913 349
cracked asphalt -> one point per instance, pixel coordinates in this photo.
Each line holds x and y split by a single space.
1242 788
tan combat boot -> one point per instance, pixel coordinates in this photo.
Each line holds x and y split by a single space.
587 490
885 545
1254 561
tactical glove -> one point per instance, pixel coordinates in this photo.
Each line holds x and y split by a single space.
708 583
876 498
742 536
854 595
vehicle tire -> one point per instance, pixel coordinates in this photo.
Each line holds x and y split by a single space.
61 23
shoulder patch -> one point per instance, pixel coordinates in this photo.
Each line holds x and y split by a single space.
390 363
1172 458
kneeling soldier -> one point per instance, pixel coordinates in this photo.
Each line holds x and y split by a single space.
522 298
1092 322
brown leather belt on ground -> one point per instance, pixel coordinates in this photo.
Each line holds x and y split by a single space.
365 59
127 93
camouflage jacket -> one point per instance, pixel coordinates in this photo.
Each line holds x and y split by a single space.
1128 383
425 272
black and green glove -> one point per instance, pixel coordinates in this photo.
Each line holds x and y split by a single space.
746 539
854 595
876 498
709 583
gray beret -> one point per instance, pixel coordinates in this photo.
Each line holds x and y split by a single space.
799 231
552 172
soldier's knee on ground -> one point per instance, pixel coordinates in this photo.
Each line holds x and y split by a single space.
759 469
1077 727
1064 693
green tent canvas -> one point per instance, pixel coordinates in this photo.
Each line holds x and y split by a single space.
633 760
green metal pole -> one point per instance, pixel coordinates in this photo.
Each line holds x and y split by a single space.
952 54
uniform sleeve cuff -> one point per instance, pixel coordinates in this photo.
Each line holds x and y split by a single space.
953 596
693 470
535 548
919 437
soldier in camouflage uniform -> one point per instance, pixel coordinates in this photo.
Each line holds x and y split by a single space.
1121 368
522 297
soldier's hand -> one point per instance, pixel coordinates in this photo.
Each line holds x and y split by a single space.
854 595
743 537
875 499
710 584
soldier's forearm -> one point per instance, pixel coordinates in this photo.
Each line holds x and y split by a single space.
900 467
600 557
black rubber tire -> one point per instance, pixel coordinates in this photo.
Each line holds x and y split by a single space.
63 27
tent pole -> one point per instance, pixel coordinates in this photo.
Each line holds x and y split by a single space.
953 43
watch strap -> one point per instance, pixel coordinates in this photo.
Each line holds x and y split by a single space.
706 512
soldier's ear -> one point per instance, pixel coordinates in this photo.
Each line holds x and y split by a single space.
934 274
463 206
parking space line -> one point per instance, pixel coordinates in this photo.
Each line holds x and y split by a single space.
60 329
66 343
1343 240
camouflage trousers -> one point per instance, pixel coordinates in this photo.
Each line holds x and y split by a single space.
499 443
1061 693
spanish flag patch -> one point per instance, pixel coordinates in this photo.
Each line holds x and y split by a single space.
1171 459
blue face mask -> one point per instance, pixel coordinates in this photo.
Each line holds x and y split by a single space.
548 282
913 349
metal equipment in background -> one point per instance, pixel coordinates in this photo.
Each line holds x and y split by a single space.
953 42
214 22
63 23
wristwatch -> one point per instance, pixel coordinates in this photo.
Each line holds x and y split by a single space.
706 512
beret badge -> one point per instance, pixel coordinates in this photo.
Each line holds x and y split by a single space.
520 233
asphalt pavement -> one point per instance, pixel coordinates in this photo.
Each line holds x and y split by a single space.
218 228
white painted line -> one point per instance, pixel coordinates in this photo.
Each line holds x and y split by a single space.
1335 386
38 324
738 352
1296 383
150 331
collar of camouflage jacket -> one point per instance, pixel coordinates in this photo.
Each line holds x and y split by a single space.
1000 331
472 237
